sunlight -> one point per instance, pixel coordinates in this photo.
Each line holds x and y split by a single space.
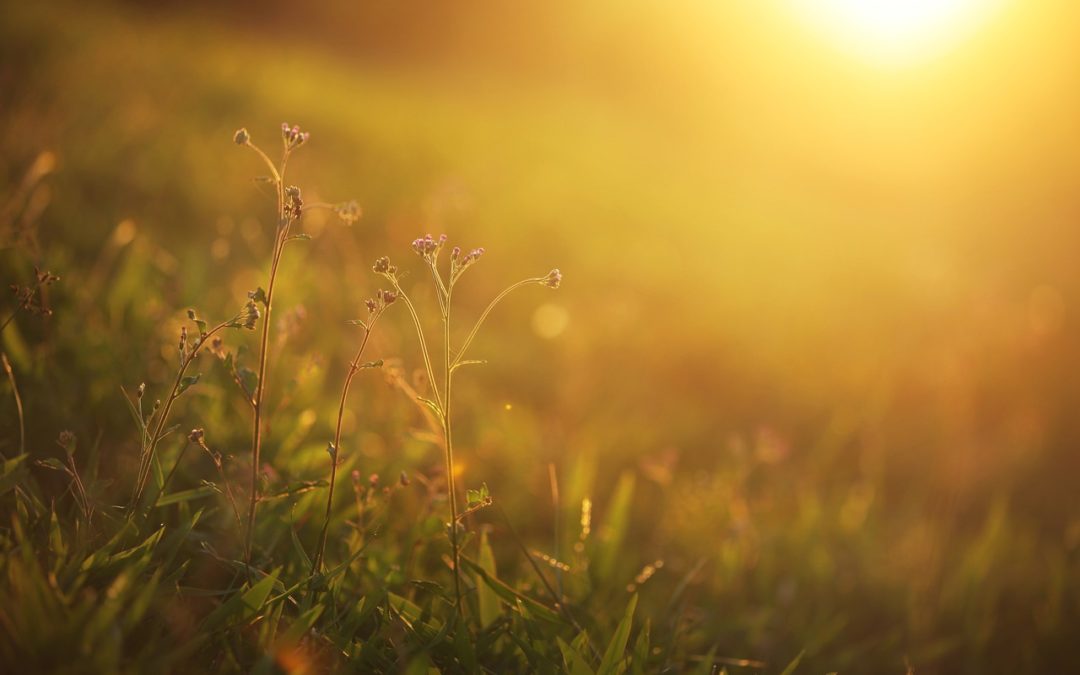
896 30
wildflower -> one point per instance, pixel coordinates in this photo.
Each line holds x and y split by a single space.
403 479
241 136
373 479
387 297
248 316
382 266
371 305
141 390
196 436
553 279
349 211
292 136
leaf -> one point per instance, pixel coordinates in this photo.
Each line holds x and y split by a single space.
794 664
488 600
187 382
188 495
11 472
372 364
301 626
641 649
300 552
466 363
616 649
357 322
576 663
510 596
134 411
431 404
202 326
477 497
54 464
299 237
241 606
615 525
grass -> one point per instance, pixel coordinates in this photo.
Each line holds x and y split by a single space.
667 485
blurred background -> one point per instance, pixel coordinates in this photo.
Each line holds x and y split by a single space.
817 326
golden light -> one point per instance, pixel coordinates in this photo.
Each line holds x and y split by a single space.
897 30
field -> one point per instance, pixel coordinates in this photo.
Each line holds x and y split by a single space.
789 386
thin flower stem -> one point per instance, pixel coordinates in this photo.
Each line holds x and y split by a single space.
423 342
284 222
354 367
260 384
163 416
484 315
449 443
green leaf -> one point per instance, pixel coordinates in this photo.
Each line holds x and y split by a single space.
794 664
134 411
488 600
616 649
301 626
202 326
510 596
53 463
372 364
641 650
241 606
299 547
12 472
187 382
615 526
477 497
576 663
188 495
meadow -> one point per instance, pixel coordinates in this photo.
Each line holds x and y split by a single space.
783 382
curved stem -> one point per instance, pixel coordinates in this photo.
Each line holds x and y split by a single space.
354 367
269 164
484 315
423 343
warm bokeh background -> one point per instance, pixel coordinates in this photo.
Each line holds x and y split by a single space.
819 305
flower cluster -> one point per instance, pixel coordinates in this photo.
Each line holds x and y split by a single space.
381 301
382 266
247 317
294 204
349 211
553 279
428 248
292 136
459 263
28 298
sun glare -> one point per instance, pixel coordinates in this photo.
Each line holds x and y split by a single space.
896 30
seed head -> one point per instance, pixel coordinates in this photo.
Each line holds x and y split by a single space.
66 440
241 136
349 211
196 436
141 390
553 279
